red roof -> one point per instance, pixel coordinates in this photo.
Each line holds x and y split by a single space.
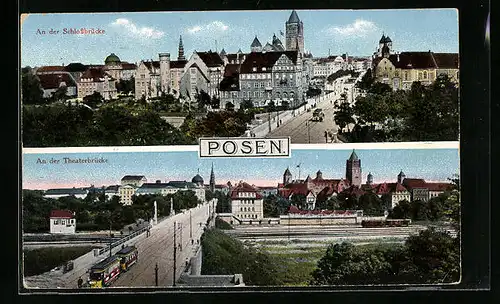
414 183
61 214
96 74
266 60
53 81
128 66
51 68
438 186
244 187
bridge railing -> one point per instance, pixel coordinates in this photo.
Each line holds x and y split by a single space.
124 239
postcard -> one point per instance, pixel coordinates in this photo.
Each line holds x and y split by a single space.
321 217
169 78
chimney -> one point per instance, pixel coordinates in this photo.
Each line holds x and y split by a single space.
397 55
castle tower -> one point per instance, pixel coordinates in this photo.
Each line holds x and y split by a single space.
319 175
353 169
287 177
401 177
369 179
212 179
165 72
181 50
256 46
294 33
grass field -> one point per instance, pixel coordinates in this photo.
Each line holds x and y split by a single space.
38 261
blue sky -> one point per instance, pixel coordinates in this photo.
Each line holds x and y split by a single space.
137 36
430 164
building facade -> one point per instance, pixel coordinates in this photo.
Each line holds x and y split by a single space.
246 202
62 222
400 69
97 80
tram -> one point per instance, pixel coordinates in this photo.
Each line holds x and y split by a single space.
128 257
108 270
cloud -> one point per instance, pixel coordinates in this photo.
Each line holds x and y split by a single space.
359 28
137 31
210 28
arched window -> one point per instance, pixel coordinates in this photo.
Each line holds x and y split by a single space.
284 95
292 94
278 94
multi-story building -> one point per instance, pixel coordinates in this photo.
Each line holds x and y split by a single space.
266 76
400 70
246 202
118 69
126 192
64 192
97 80
133 180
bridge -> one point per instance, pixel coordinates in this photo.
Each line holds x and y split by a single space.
156 253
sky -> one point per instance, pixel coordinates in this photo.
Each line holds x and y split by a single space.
384 164
140 36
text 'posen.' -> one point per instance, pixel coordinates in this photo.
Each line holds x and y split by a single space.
245 147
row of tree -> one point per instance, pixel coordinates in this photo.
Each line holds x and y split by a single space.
432 256
421 113
97 212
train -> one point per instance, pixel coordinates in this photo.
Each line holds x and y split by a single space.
108 270
385 223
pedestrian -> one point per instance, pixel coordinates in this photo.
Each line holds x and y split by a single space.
80 282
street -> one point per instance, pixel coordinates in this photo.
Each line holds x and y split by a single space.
302 130
158 248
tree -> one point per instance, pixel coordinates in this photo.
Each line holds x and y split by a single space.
285 105
344 116
344 264
435 256
298 200
125 86
215 102
60 94
31 90
93 100
366 81
246 104
402 210
203 99
312 92
229 106
371 204
379 88
223 254
271 106
270 205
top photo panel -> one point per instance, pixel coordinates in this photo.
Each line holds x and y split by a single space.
170 78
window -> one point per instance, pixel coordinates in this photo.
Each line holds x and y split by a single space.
63 222
254 69
425 74
255 84
255 94
262 84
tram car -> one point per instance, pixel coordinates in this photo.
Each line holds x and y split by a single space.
105 272
128 257
385 223
108 270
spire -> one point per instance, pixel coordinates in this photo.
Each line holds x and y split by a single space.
181 50
212 179
354 156
256 42
294 18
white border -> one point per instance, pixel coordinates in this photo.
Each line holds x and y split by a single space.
195 148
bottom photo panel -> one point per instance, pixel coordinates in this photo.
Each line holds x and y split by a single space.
116 220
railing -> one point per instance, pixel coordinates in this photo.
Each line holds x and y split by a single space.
124 239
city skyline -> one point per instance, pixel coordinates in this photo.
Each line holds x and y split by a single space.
137 36
384 164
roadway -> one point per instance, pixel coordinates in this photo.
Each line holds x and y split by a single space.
303 130
158 249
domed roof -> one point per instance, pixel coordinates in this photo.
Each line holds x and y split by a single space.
112 59
197 179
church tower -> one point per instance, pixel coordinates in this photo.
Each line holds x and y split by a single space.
181 50
401 177
287 177
256 46
353 169
212 179
294 33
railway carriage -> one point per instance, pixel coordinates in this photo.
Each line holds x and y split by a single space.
385 223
